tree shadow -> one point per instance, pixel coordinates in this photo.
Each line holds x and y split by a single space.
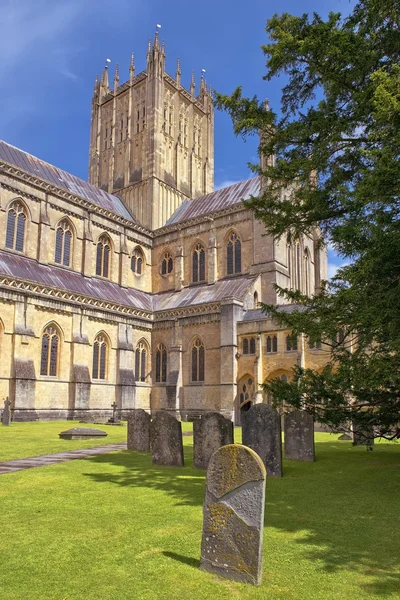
342 508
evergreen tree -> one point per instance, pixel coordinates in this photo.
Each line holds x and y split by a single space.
336 140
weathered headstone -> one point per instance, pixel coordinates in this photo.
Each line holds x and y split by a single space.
210 432
166 440
234 514
299 436
261 431
6 416
363 436
139 430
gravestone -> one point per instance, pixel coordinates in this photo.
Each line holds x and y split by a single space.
233 514
363 436
299 436
166 440
210 432
261 431
82 433
114 420
139 430
6 416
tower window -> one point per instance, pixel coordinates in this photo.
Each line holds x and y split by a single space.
16 219
234 255
167 264
161 364
198 360
198 264
100 352
63 244
49 353
103 257
137 261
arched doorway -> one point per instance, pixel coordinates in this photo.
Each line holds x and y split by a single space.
245 394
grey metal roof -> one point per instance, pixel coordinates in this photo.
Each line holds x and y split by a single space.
256 314
215 201
203 294
29 269
39 168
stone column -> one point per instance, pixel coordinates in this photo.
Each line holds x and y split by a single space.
87 250
231 312
179 268
124 266
44 235
258 370
212 258
174 387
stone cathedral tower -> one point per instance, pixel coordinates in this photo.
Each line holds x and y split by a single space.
151 140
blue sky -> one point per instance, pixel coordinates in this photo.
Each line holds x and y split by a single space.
51 51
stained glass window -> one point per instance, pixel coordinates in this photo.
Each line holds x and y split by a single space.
49 354
198 360
141 362
16 219
234 254
63 244
100 348
103 256
198 264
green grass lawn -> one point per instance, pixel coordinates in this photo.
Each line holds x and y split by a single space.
114 527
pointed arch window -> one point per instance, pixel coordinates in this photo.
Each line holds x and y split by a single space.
161 364
272 343
198 360
16 220
103 256
198 264
141 362
246 394
63 244
291 343
167 264
234 254
137 261
50 351
249 345
100 357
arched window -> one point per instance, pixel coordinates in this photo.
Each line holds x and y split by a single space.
252 345
272 343
137 261
63 243
16 219
167 264
246 390
197 360
140 362
198 264
245 346
291 343
50 351
100 357
234 254
103 256
161 364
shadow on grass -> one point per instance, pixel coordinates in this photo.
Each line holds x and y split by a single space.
186 560
342 509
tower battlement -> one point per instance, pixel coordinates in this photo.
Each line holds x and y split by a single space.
151 140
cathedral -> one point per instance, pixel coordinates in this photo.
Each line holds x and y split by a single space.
142 286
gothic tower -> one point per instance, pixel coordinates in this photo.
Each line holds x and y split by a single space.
151 140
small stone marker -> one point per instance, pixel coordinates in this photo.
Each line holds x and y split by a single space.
210 432
299 436
6 416
114 419
82 433
234 514
261 431
139 430
166 440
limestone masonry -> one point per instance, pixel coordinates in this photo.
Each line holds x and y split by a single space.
142 287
